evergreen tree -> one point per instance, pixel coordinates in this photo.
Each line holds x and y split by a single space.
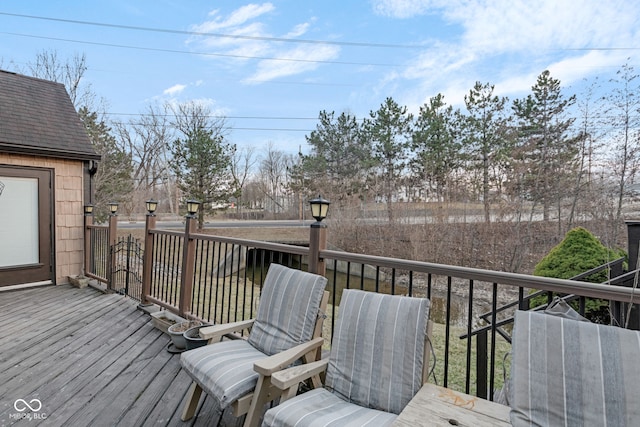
202 158
339 160
485 138
436 148
113 180
389 132
545 156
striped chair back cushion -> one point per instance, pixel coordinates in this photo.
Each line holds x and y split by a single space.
288 309
568 372
377 351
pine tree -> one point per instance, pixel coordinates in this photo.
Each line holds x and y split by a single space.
485 138
389 132
437 150
546 153
113 181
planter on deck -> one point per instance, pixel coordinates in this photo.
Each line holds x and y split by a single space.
79 281
164 319
193 338
177 333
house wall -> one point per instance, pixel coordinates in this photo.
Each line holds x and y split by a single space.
69 218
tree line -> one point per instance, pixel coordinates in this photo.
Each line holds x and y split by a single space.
549 154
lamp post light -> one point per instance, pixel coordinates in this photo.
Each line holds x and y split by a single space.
192 207
318 235
151 206
88 220
113 208
150 224
319 208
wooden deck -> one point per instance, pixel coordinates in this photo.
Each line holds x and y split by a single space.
91 359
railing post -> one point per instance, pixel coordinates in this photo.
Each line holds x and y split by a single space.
317 243
188 262
147 263
88 220
112 237
633 243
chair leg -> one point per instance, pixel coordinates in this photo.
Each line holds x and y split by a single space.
193 397
262 395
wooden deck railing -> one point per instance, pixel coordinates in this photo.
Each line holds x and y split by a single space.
218 279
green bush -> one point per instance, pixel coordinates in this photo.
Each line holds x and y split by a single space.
578 252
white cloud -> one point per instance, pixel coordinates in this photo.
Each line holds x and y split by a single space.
236 18
510 42
174 90
405 8
250 39
271 69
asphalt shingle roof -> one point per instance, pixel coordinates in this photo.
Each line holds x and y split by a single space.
37 117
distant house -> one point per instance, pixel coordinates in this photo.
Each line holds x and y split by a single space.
45 163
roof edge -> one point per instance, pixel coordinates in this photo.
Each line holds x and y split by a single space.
43 152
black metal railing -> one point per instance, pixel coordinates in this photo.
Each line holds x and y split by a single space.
224 278
98 266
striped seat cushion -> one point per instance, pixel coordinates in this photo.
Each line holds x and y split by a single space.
572 373
322 408
377 351
288 309
224 370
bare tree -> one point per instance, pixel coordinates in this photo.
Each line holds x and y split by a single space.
624 121
147 139
242 163
70 72
273 178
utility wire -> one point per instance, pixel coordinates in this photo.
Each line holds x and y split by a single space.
272 39
153 49
218 35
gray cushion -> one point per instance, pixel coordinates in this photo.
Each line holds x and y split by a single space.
321 408
377 350
224 370
573 373
288 309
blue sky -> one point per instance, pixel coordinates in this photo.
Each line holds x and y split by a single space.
270 67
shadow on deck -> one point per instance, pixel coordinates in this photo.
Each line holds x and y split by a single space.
90 359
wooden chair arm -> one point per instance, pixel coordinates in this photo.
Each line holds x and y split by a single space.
279 361
215 333
293 376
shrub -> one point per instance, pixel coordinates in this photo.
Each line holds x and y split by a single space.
578 252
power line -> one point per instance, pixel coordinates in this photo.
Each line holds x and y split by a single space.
218 35
265 38
153 49
231 128
216 116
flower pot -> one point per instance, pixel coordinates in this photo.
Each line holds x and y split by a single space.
177 333
193 339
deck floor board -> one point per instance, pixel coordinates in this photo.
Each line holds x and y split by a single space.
91 359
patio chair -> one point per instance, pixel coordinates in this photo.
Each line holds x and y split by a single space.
290 313
571 372
376 366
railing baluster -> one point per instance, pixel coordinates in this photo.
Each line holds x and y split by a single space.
467 381
494 306
447 333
